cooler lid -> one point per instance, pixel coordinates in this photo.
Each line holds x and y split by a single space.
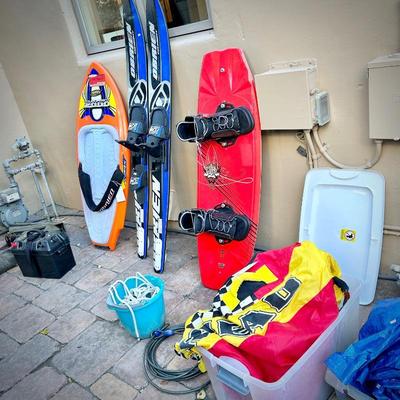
390 60
343 214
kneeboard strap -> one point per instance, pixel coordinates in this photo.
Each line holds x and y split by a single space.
109 194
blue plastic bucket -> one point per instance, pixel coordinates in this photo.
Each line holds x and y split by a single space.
149 317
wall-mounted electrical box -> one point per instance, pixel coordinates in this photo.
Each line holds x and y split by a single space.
322 110
288 97
384 97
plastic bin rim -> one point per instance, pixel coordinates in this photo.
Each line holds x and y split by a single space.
120 307
355 288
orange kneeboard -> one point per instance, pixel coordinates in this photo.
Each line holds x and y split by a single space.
100 122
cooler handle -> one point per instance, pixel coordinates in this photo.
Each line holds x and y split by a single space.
231 380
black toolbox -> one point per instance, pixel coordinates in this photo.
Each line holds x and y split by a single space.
44 253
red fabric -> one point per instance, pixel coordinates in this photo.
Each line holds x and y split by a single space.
269 357
278 262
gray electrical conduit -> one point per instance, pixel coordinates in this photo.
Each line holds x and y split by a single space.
391 230
391 233
324 152
313 159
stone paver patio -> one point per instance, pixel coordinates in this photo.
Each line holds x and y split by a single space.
59 341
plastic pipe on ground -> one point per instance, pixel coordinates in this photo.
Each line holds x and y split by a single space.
337 164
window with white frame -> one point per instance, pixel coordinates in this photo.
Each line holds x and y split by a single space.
101 25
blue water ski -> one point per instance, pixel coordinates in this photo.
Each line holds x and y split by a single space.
158 137
138 119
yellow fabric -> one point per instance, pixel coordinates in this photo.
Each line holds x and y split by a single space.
309 268
263 274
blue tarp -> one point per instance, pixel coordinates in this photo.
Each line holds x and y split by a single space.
372 364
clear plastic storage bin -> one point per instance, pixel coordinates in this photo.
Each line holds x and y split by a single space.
305 380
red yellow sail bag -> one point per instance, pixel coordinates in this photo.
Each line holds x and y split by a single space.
269 313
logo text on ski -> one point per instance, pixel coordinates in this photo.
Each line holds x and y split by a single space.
157 221
131 51
154 50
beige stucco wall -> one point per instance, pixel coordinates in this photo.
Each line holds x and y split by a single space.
38 55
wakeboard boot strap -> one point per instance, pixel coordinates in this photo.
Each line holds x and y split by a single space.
221 221
227 123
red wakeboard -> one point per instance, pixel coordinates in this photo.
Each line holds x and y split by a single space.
233 171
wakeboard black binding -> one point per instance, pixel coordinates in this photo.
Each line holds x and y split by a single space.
221 221
224 126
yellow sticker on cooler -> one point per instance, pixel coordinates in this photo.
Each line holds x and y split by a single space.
348 235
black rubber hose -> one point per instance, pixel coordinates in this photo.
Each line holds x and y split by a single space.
153 369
